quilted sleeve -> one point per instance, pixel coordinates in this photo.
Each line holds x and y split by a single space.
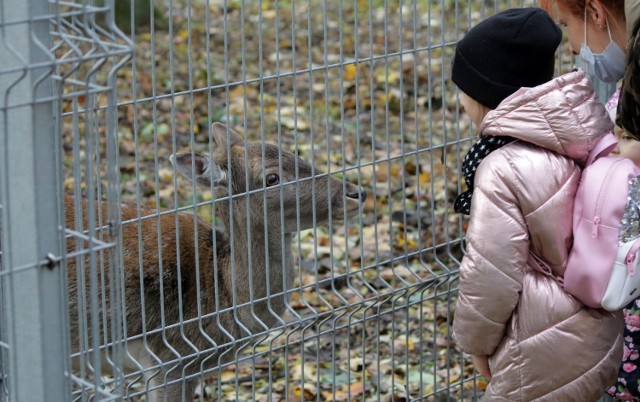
497 252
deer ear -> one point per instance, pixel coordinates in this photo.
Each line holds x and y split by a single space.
223 137
199 169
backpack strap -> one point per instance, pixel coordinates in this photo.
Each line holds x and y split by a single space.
603 147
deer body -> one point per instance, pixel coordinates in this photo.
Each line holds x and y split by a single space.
198 288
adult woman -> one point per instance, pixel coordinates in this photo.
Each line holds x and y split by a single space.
598 31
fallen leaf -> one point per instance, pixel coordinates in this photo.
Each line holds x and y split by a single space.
349 72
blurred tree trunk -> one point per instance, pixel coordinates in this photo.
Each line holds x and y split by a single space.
142 15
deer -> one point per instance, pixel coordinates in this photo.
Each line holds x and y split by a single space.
186 307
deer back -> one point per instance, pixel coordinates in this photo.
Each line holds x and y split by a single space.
170 289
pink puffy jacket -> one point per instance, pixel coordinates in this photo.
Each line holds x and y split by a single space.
543 344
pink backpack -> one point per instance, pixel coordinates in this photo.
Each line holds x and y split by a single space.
602 266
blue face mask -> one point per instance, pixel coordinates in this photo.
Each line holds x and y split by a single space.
607 66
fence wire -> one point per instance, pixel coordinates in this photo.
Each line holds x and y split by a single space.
232 199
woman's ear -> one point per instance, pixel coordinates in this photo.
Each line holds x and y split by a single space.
596 14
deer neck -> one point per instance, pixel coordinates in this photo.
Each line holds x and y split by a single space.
266 252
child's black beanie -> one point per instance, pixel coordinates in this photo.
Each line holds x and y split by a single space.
505 52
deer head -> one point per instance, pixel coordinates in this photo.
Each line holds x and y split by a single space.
275 180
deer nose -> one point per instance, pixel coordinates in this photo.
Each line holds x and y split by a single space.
358 195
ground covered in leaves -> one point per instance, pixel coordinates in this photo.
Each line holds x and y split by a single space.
361 89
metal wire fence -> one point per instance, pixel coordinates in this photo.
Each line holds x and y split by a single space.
302 248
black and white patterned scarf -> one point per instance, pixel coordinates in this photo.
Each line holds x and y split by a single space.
476 154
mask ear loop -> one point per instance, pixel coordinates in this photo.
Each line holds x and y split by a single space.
608 28
585 25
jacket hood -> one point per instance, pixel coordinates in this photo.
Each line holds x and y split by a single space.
562 115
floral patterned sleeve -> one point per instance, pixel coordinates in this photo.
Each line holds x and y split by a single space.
627 387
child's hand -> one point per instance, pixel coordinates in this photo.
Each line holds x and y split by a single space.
481 364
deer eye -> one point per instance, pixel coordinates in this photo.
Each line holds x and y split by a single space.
272 179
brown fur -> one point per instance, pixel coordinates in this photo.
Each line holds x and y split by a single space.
172 266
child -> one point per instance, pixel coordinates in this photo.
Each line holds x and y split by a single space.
627 387
528 337
628 146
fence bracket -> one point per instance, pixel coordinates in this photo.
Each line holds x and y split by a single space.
53 261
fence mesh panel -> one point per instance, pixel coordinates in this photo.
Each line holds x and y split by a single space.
252 199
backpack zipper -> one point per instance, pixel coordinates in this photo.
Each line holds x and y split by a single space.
631 256
596 223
